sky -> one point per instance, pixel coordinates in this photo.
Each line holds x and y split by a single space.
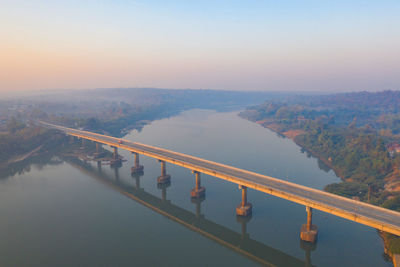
269 45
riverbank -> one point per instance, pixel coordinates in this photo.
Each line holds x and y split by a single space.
275 224
23 157
293 134
391 243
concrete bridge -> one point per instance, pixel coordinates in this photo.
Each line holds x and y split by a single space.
363 213
241 242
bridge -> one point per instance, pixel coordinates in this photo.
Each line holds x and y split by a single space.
241 242
382 219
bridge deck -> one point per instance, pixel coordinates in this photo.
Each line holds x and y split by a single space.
377 217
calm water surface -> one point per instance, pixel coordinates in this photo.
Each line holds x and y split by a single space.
72 213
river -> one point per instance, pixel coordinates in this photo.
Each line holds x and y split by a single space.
72 213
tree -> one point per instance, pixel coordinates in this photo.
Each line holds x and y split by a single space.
14 125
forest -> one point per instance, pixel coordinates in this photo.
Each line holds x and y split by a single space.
350 133
24 138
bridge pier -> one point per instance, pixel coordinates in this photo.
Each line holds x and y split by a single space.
244 208
309 231
115 154
199 191
116 159
137 168
164 177
98 153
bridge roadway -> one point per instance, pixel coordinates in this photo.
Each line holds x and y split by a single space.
376 217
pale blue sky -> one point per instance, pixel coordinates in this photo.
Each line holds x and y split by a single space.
239 45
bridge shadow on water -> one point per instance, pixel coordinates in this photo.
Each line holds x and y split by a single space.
238 242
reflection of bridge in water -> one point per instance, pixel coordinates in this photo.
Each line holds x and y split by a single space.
238 242
382 219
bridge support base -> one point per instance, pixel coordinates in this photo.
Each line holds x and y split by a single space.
164 177
137 168
99 153
116 161
309 235
309 231
245 208
199 191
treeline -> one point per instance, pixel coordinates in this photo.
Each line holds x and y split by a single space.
22 138
349 132
133 119
359 156
380 111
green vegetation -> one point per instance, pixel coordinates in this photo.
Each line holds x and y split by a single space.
117 110
358 156
392 243
350 133
22 139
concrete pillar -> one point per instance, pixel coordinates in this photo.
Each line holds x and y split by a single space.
244 208
97 154
309 218
99 166
136 155
198 182
164 177
137 168
163 169
115 153
82 143
244 196
116 159
198 191
309 232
